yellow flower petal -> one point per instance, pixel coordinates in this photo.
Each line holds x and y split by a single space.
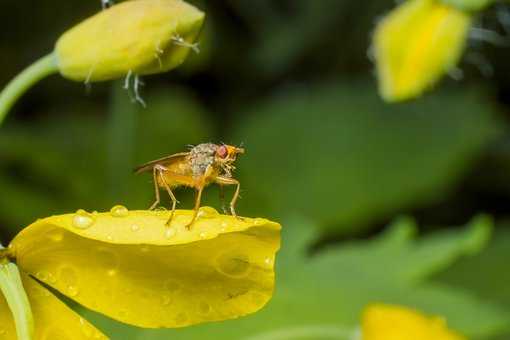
131 267
140 36
7 328
52 318
416 44
389 322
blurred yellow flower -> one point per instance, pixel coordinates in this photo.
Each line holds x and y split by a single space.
139 37
390 322
416 44
131 267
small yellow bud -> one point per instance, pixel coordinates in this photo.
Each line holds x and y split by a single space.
416 44
389 322
138 36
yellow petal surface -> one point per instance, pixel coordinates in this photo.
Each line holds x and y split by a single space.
389 322
53 319
416 44
131 267
139 36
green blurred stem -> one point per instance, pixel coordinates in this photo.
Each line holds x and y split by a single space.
121 132
21 83
12 288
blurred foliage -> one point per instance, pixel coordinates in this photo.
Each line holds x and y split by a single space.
290 79
330 289
339 155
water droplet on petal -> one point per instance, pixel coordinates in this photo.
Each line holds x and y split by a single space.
207 212
166 300
172 285
119 211
135 227
109 238
170 232
72 290
204 307
181 318
233 265
69 279
203 234
55 235
87 330
42 275
111 272
83 220
224 226
52 278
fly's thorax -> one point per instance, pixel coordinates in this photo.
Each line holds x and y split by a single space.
202 156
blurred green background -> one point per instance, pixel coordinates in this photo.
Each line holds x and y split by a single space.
292 80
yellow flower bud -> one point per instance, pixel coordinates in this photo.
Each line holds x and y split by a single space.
387 322
416 44
139 37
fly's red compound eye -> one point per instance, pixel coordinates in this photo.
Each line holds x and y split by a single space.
222 151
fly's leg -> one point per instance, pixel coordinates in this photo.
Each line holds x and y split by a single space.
230 181
222 199
198 199
155 171
172 197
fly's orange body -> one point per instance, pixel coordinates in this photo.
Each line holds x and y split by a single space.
204 164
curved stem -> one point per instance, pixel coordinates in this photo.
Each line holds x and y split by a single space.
16 297
20 84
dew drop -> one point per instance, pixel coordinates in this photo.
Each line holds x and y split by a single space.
181 318
83 220
268 262
207 212
161 212
233 265
69 279
119 211
55 235
87 330
170 232
224 226
109 238
108 260
52 278
203 235
135 227
172 285
42 275
204 307
72 290
166 300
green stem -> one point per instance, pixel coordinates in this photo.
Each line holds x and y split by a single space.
20 84
12 288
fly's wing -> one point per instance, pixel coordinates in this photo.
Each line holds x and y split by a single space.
162 161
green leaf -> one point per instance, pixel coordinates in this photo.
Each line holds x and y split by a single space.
325 293
344 159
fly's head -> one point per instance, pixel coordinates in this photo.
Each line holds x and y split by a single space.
225 157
